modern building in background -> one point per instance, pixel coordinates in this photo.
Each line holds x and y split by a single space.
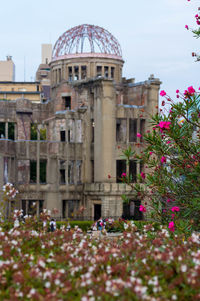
7 70
66 152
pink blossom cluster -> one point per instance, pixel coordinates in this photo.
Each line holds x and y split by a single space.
164 125
190 91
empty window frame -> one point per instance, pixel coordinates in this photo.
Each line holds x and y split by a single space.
121 129
70 74
133 170
43 133
72 208
142 128
120 169
83 72
62 172
78 171
76 72
64 208
71 172
59 75
62 136
33 171
33 131
11 130
112 73
32 207
43 171
106 68
99 71
2 130
67 102
132 130
131 210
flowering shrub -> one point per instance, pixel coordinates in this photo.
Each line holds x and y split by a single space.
144 265
172 153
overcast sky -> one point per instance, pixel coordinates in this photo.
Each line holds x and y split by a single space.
152 35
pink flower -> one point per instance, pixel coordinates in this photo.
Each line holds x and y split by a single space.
175 209
142 208
139 135
177 91
168 142
171 226
186 26
190 91
164 125
150 153
163 159
143 175
162 93
123 174
168 201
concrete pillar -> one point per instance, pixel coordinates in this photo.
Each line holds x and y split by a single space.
6 130
105 131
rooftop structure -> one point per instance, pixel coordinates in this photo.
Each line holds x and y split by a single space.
86 39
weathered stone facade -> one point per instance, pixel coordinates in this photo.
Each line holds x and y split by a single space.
63 150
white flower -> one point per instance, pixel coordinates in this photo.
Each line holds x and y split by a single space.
32 291
57 282
41 263
47 284
183 268
174 297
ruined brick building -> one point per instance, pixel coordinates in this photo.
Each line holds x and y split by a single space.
59 152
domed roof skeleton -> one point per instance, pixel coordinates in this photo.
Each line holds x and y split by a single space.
72 41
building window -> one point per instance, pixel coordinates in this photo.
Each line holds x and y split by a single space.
78 171
76 72
64 208
71 172
121 130
99 71
121 168
133 170
132 130
131 210
67 102
32 207
83 72
106 71
2 130
59 75
62 172
43 171
43 133
70 74
62 136
142 129
11 130
33 171
112 72
33 131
